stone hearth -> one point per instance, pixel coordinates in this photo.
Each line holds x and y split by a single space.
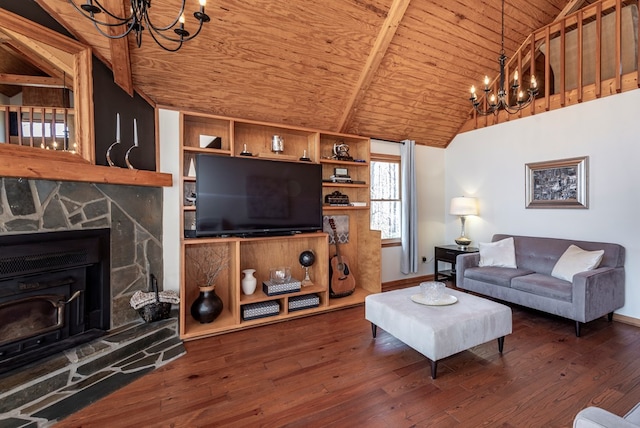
53 388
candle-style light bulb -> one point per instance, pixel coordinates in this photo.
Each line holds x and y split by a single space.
181 20
515 77
203 3
520 96
486 82
492 99
534 82
117 126
135 133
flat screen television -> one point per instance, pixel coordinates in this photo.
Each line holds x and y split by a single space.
239 196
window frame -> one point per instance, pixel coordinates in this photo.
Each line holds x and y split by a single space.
381 157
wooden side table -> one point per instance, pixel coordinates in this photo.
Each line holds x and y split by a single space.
448 254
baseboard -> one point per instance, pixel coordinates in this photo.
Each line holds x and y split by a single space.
404 283
627 320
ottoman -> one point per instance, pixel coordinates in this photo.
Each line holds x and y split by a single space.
438 331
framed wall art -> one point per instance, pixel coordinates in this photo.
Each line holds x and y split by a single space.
559 183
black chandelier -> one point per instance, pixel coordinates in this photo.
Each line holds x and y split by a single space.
493 104
138 20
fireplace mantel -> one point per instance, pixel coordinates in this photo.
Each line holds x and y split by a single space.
32 163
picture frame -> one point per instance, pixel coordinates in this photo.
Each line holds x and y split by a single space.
561 183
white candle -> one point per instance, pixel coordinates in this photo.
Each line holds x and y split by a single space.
117 126
135 133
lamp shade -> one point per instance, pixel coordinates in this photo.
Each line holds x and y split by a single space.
463 206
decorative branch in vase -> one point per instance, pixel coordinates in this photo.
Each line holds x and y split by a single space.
209 263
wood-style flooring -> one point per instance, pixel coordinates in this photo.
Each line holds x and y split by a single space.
327 370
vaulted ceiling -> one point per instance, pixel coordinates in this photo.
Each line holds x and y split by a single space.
387 69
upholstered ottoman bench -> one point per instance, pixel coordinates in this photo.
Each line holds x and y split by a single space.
441 330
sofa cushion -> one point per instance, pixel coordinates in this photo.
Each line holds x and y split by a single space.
500 254
495 275
576 260
544 285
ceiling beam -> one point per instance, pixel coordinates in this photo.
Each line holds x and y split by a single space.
24 53
19 79
120 58
380 46
571 7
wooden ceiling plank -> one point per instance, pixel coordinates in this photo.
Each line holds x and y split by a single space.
380 46
21 80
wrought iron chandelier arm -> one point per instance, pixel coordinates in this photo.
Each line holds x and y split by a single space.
159 41
91 15
139 19
116 36
150 24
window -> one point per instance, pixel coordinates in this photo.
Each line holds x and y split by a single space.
386 197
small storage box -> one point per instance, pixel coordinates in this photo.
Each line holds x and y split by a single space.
307 301
272 288
252 311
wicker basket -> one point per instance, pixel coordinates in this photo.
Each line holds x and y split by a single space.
157 310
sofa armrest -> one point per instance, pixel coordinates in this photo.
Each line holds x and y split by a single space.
595 417
598 292
464 261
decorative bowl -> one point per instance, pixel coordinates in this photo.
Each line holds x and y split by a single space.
280 274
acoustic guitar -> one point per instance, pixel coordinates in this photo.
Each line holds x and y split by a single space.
342 281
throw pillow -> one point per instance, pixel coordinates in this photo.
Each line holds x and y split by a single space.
500 253
575 260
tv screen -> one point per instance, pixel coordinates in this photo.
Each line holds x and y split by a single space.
246 196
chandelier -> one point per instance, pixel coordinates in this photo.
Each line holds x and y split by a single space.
138 20
494 103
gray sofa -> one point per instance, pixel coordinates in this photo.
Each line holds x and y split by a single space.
591 295
596 417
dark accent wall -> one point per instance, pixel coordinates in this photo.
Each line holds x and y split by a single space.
108 100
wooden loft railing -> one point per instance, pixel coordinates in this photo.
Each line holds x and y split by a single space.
588 54
50 128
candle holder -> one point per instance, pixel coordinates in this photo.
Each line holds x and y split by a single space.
109 160
126 157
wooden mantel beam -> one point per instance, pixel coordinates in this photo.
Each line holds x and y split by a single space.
389 28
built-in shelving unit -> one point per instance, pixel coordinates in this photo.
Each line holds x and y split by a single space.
236 138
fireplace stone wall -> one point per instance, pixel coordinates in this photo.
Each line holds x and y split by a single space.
133 213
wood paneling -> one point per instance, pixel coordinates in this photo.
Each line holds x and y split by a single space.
329 65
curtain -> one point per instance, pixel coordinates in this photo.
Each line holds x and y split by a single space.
409 261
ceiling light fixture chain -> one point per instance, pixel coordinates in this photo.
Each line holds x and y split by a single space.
138 20
493 104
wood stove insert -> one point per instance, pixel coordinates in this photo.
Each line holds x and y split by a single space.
54 293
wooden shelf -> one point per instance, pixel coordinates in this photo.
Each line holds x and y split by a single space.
263 253
353 185
340 162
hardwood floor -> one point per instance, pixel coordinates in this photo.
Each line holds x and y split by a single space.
327 370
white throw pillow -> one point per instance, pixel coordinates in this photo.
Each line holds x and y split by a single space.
576 260
500 253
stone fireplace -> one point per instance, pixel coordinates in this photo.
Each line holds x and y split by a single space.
41 392
132 213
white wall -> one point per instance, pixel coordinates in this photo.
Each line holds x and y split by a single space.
169 138
430 184
490 164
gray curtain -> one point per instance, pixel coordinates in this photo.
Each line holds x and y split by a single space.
409 261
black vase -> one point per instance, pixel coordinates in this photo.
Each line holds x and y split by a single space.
207 306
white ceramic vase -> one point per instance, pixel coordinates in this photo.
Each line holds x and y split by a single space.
249 281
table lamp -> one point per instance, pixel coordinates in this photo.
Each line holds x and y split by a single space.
463 207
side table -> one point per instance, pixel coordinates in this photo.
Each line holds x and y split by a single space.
448 254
